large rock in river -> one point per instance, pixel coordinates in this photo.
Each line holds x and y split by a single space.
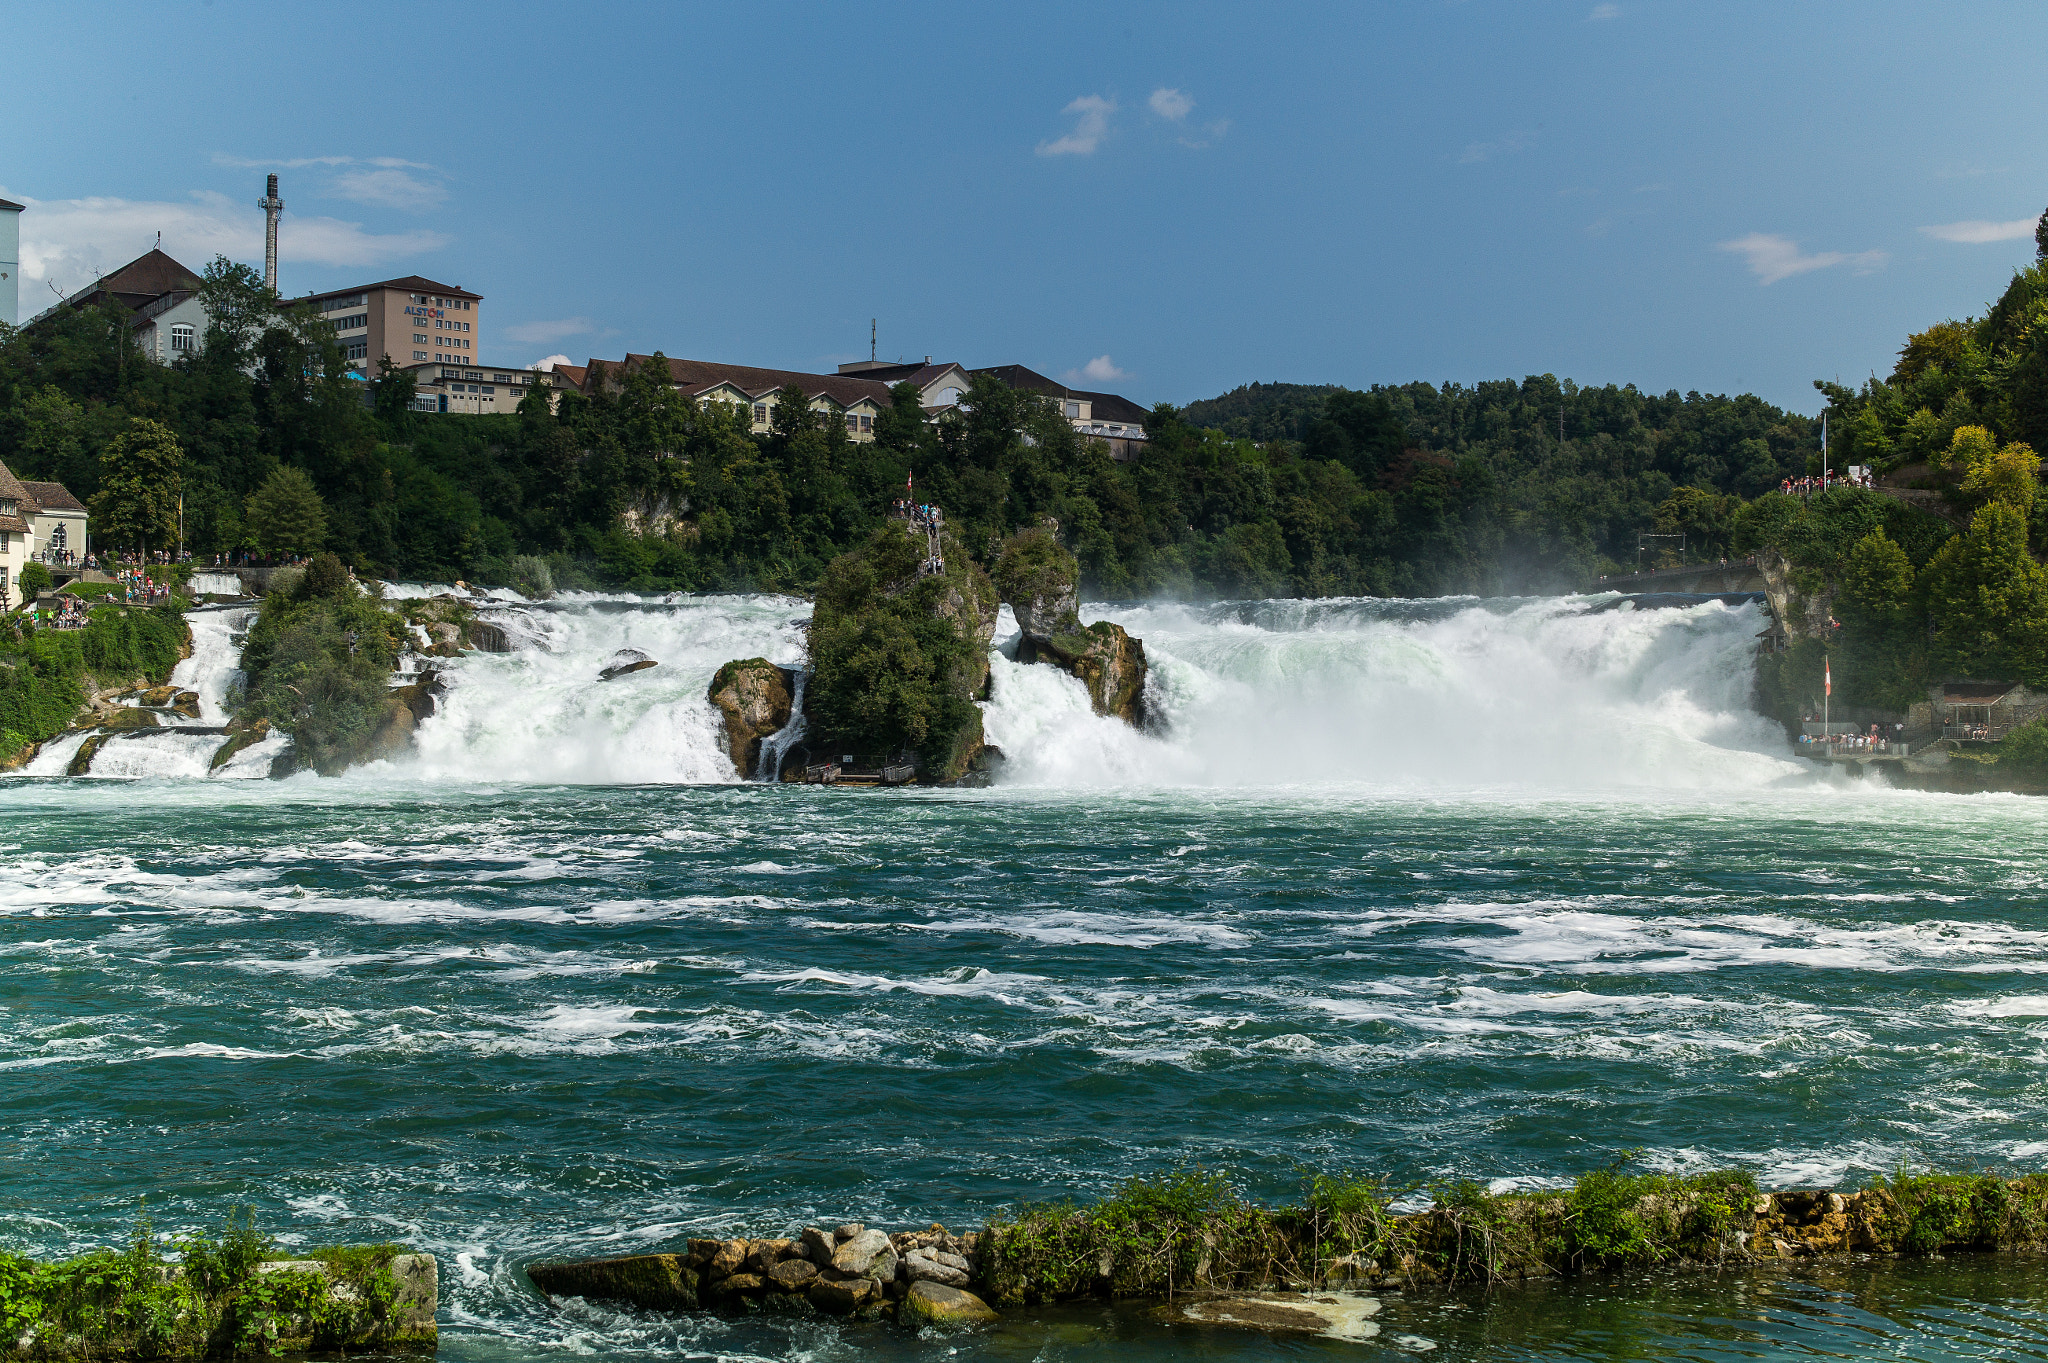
753 697
1041 583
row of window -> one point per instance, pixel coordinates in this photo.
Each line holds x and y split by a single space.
453 304
421 355
353 300
355 350
452 326
354 323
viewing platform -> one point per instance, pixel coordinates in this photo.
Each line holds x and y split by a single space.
1711 579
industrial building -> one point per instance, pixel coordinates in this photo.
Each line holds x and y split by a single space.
413 320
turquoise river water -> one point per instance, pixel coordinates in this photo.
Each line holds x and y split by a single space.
1493 890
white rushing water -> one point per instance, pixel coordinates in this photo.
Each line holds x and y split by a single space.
1543 694
540 713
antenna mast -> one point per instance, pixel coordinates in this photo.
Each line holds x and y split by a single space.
272 206
871 340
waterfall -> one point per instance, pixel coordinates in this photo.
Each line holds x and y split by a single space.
177 747
1460 693
769 766
539 713
1517 694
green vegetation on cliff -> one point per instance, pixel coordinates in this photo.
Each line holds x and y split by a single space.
44 675
317 662
898 658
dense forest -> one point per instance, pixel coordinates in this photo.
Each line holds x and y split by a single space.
263 442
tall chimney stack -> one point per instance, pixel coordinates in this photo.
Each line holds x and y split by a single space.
272 206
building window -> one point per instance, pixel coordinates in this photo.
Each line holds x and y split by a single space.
356 350
184 337
1073 411
949 397
501 378
867 423
419 354
419 340
852 422
489 389
761 413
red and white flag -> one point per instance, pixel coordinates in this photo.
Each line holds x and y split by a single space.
1828 677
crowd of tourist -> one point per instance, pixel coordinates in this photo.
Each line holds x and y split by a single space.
1878 739
1806 487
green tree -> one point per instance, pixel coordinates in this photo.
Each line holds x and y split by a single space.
1989 601
140 477
286 514
395 390
35 578
239 309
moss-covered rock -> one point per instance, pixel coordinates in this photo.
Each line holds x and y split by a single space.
654 1282
752 696
1040 582
1108 661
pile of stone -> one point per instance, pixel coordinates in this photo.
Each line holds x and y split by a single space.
850 1271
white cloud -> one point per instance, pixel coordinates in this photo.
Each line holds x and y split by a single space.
1772 258
1486 151
1977 233
68 242
561 329
1171 104
1091 125
547 365
389 187
300 162
1605 12
1101 369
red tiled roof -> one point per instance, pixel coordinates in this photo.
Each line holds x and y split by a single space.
53 497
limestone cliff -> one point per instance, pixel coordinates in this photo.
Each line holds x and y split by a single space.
1802 599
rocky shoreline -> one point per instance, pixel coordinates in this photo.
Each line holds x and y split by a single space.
1310 1268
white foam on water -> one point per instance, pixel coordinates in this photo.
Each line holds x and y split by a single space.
54 759
216 661
541 713
1542 692
216 584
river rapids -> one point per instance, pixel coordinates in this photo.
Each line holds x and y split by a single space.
1503 890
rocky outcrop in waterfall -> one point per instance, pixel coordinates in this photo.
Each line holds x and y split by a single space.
899 651
1803 599
1041 583
753 697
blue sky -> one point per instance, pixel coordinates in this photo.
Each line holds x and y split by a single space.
1163 200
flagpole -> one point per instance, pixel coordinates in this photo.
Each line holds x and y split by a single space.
1827 690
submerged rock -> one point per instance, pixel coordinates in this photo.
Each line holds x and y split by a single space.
624 661
753 696
929 1303
488 638
1333 1315
657 1282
